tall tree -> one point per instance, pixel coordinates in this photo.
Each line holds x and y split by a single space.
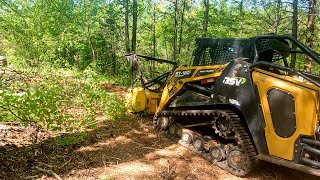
277 17
89 29
206 17
153 38
154 30
134 25
241 16
294 31
176 14
312 14
126 25
181 25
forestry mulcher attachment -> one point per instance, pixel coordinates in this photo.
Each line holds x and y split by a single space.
146 97
240 102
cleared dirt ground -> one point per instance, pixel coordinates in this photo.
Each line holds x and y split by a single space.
116 150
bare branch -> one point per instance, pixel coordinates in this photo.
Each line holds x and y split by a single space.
48 172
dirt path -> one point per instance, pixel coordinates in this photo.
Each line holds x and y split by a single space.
124 150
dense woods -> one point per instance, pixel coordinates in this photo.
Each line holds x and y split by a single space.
64 78
83 42
97 34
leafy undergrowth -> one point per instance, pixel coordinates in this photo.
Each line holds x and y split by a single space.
56 99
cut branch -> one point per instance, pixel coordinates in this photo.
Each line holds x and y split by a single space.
48 172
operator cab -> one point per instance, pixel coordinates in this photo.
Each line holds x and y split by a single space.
213 51
274 53
269 52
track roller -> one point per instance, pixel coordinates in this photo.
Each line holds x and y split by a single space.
163 122
174 131
237 159
187 137
217 153
198 143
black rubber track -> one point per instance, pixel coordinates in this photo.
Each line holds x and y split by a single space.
242 137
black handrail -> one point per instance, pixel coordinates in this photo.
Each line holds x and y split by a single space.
304 48
264 63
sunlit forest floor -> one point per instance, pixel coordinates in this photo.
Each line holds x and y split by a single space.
127 149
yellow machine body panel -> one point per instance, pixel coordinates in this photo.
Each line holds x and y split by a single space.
183 75
140 99
306 103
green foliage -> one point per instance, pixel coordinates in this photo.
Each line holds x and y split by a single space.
114 107
70 139
63 33
58 99
90 34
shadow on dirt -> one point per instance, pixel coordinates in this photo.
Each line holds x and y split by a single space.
107 145
131 145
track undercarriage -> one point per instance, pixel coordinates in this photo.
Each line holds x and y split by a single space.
219 136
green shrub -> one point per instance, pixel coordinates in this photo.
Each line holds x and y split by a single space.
58 99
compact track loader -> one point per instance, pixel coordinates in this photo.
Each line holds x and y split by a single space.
240 102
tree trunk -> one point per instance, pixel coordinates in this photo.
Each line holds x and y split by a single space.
154 39
294 31
181 25
134 25
93 52
126 26
176 13
241 16
114 59
154 30
310 32
165 43
277 18
206 17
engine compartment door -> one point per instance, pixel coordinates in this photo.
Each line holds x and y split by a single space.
289 108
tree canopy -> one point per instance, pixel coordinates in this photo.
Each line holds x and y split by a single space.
97 34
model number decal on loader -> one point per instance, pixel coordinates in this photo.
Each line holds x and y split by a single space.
234 81
183 73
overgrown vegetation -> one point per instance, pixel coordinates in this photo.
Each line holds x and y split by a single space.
56 98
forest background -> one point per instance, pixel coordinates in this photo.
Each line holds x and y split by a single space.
59 51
